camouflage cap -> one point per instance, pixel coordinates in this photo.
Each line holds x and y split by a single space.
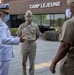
28 12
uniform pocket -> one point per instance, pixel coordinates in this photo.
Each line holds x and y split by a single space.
33 30
24 32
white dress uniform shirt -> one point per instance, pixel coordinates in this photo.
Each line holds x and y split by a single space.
6 42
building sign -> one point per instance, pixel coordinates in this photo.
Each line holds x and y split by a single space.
45 5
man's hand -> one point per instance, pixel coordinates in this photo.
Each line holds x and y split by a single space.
52 68
22 39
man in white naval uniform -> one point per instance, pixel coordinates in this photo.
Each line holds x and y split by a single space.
6 41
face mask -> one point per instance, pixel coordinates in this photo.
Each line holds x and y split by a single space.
29 19
6 18
68 13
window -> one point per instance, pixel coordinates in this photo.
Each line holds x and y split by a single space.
16 20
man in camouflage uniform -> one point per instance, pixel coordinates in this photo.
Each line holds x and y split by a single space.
30 32
66 47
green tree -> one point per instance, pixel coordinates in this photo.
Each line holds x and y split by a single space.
59 22
39 19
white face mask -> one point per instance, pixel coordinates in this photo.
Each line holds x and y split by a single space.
6 18
68 13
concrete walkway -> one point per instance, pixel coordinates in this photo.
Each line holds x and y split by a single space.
46 51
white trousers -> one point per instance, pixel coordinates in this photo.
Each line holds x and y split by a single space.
4 66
